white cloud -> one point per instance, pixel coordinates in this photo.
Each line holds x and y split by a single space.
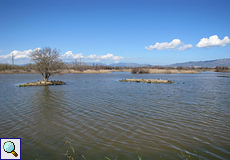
110 57
92 56
185 46
213 41
165 45
78 56
104 57
70 55
22 57
19 56
175 44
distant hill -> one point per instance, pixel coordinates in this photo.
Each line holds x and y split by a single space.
89 63
212 63
98 63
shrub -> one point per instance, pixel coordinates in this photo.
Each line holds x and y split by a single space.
140 70
144 71
135 70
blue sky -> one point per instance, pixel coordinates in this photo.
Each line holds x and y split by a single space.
157 32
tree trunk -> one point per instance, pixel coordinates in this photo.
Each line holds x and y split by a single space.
46 77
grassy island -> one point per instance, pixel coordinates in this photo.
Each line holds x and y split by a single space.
147 80
42 83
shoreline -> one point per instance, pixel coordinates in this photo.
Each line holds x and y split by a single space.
89 71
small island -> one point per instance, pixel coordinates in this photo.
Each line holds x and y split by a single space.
146 80
47 62
42 83
226 76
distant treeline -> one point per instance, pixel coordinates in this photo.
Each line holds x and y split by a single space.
75 66
222 69
81 66
7 66
145 70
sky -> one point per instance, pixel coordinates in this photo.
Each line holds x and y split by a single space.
156 32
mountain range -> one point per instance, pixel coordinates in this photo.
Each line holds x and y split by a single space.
129 65
211 63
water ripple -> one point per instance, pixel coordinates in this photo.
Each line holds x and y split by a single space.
104 117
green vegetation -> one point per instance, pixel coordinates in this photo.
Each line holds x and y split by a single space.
22 85
189 157
73 155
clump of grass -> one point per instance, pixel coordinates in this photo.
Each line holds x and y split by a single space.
22 85
70 156
73 155
109 158
188 157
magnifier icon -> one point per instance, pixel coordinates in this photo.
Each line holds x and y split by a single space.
9 147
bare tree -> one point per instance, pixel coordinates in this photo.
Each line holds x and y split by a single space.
47 61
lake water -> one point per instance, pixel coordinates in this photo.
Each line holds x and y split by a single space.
103 117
